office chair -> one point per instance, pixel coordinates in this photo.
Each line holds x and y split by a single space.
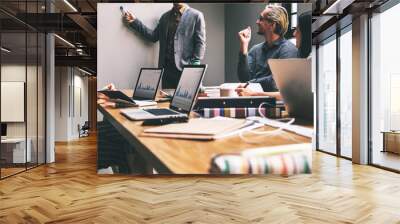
84 130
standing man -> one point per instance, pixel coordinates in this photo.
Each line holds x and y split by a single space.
182 35
253 67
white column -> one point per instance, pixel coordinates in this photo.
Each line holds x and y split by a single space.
50 92
360 90
50 100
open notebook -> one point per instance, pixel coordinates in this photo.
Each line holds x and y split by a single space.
202 129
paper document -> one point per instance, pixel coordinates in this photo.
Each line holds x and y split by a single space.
202 129
199 126
214 91
252 86
145 103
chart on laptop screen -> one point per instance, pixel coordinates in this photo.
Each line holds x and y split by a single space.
147 83
186 90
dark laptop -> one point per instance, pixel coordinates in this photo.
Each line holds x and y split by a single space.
145 89
182 101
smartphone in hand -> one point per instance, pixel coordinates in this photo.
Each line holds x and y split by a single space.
122 10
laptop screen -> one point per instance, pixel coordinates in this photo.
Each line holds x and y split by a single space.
188 87
147 84
293 79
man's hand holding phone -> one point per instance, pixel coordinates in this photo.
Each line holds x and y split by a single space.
128 17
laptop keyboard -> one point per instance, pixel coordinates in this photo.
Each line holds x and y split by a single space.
159 112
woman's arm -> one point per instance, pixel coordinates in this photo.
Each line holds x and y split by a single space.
248 92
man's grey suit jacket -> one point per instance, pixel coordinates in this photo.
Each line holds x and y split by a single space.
190 37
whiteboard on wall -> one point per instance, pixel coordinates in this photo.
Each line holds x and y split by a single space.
12 101
120 52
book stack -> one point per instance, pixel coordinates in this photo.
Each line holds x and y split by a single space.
270 112
280 160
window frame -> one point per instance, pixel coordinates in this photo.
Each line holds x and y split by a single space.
379 10
333 37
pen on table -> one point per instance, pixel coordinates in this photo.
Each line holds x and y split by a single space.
245 85
165 93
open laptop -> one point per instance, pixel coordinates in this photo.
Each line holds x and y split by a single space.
145 89
293 79
182 101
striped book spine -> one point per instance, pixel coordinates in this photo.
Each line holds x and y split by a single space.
239 112
281 164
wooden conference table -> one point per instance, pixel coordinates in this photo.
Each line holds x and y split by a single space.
179 156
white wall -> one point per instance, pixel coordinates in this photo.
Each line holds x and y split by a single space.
121 52
14 73
62 82
214 15
81 104
238 17
82 82
33 127
71 93
17 73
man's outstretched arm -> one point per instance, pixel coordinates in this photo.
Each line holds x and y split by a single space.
136 24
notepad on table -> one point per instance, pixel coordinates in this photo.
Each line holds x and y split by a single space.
202 129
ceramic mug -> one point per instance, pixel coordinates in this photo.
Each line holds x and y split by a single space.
225 91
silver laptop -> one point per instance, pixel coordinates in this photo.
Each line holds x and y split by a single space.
293 79
182 101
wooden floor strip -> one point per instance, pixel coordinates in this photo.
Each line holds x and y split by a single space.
70 191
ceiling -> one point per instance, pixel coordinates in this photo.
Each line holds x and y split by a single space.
331 15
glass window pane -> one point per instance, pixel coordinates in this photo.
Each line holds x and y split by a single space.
13 86
41 98
23 76
346 94
32 88
327 96
31 97
385 84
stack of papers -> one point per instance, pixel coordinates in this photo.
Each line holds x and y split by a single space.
214 91
256 87
202 129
